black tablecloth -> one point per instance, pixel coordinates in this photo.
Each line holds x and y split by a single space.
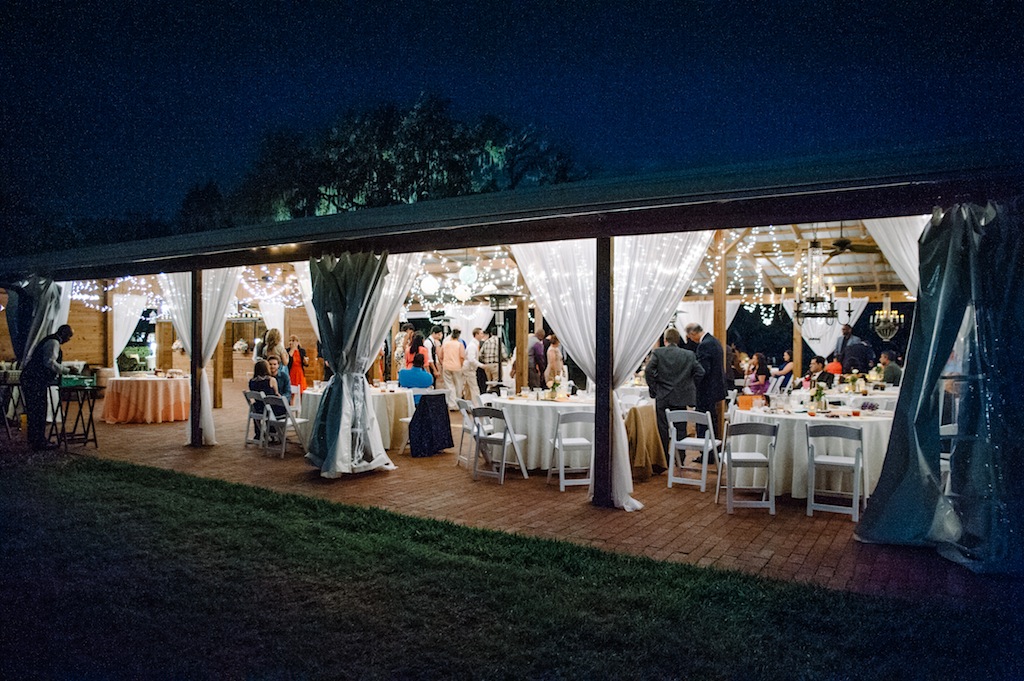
430 430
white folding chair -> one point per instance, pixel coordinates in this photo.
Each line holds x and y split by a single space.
773 384
277 426
255 420
737 458
563 443
834 458
679 444
730 404
468 426
503 439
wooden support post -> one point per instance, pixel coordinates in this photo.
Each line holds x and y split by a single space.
798 338
395 328
196 359
522 340
164 341
721 332
218 373
604 350
538 318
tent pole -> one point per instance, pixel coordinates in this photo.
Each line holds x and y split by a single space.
197 353
604 351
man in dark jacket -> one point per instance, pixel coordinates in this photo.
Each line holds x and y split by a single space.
711 388
42 369
671 372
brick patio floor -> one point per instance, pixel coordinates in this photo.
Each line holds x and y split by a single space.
676 525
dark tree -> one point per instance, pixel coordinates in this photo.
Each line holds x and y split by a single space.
203 209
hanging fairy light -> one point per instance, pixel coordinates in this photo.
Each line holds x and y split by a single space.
455 279
270 284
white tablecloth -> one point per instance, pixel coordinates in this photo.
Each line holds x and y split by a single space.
536 419
389 407
885 399
791 451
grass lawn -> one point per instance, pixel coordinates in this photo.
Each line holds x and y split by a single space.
109 570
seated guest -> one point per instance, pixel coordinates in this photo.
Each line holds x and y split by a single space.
859 356
263 382
891 371
817 374
835 367
417 377
284 380
786 371
757 374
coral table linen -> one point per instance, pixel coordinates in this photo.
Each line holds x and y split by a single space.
146 400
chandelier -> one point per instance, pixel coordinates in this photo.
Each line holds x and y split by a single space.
887 321
814 300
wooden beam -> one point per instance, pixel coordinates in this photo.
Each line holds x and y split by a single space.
604 351
522 340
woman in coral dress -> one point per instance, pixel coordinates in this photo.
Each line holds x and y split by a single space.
297 361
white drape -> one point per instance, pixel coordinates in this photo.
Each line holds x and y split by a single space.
822 336
562 276
306 289
703 312
219 287
898 238
126 311
273 316
468 317
402 269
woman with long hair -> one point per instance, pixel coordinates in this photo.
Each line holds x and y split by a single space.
417 347
787 369
555 363
757 374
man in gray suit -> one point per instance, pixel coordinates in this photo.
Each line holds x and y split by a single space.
671 372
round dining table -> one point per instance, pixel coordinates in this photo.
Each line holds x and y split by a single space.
537 419
791 449
148 399
390 406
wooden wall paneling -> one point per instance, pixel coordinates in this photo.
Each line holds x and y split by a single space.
164 340
6 346
90 340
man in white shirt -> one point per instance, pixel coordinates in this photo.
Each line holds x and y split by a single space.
433 345
469 367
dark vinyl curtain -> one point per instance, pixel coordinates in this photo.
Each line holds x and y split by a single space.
962 360
345 289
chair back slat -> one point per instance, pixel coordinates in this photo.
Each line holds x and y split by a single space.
834 430
765 429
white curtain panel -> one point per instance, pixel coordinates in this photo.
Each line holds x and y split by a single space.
219 287
126 310
822 336
703 312
562 276
306 289
402 270
468 317
273 316
898 238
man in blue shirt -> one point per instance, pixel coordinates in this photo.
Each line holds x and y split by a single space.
284 382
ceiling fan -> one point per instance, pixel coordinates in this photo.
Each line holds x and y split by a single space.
844 245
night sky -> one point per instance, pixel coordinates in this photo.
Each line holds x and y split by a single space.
115 107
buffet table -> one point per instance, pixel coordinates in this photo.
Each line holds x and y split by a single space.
390 406
791 450
147 400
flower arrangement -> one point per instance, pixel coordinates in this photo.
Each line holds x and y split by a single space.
819 392
176 345
240 345
851 378
868 406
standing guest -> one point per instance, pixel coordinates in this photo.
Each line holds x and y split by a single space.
891 371
817 373
859 356
280 374
469 367
843 343
757 374
433 344
417 346
538 360
416 377
489 356
671 374
297 363
786 371
711 388
42 369
453 356
275 348
555 363
400 344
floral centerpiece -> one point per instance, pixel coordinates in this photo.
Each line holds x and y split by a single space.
554 384
819 396
868 406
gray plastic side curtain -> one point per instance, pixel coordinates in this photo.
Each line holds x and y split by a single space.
974 256
343 290
31 306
